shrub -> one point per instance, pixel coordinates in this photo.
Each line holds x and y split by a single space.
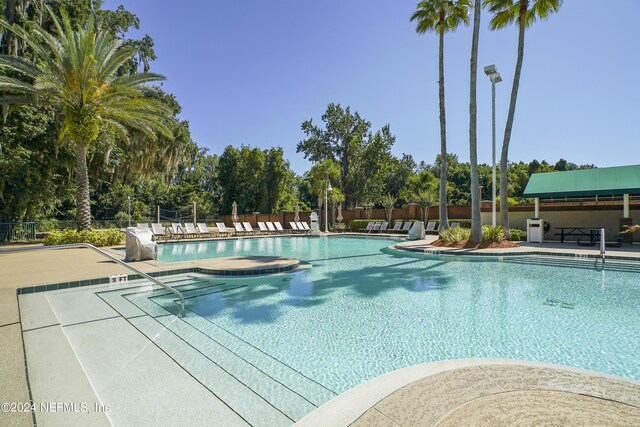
455 235
464 223
518 234
494 233
48 225
361 224
93 237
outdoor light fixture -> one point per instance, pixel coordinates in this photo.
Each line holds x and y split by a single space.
494 75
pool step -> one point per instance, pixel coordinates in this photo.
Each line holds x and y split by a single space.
576 262
250 381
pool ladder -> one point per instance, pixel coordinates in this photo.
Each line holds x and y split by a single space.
112 258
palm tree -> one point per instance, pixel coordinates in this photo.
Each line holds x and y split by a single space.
425 199
476 221
441 16
75 72
524 13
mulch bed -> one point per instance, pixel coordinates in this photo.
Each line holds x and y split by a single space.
466 244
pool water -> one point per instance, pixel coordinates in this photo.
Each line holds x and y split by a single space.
363 310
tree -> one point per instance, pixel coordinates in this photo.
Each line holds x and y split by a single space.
388 201
441 16
75 72
425 199
476 220
524 13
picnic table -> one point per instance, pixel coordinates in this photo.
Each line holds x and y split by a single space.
591 232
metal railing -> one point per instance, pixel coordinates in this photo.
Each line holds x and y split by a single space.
112 258
17 231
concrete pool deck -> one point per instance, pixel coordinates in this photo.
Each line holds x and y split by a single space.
32 268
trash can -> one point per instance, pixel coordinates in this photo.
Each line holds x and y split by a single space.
535 230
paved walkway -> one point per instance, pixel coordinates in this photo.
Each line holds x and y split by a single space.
21 269
484 392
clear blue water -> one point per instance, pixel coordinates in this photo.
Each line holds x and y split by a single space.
362 311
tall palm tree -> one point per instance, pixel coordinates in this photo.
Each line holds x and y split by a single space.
524 13
441 16
75 72
476 221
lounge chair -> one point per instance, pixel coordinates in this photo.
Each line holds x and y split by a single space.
143 225
406 227
383 227
248 228
177 229
455 224
222 229
369 226
431 228
191 230
279 227
294 227
375 227
238 227
203 229
263 227
158 230
301 227
397 226
270 227
305 226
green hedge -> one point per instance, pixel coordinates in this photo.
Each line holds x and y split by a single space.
93 237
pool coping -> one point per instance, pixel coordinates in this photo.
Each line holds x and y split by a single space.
349 406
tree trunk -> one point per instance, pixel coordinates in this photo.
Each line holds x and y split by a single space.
504 156
83 205
442 205
476 221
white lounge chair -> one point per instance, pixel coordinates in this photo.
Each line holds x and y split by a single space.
407 226
238 227
294 227
158 230
248 228
203 229
455 224
301 227
191 230
270 227
305 226
177 229
279 227
143 225
431 228
222 229
263 227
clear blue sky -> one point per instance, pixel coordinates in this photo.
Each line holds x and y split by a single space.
250 72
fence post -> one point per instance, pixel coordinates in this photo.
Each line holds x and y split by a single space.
194 213
158 214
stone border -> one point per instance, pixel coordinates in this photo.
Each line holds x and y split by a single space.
473 252
349 406
130 277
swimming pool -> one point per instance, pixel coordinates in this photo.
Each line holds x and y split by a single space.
363 310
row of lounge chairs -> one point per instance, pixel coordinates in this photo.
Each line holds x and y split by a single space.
187 230
398 227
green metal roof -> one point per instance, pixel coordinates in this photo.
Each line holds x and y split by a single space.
586 182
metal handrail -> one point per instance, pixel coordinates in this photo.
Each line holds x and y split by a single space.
111 257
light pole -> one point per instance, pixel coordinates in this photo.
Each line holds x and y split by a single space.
129 211
326 205
493 74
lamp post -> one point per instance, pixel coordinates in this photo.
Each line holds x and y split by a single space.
129 211
326 205
493 74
